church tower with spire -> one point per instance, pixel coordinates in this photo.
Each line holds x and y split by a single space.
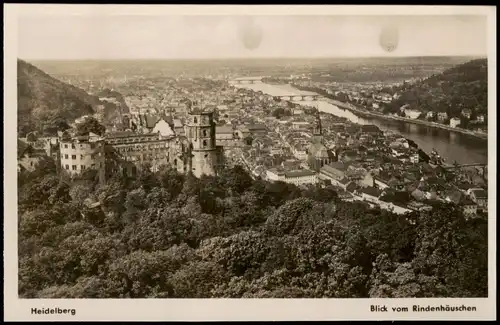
318 130
318 155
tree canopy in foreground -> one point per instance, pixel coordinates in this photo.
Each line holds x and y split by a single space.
166 235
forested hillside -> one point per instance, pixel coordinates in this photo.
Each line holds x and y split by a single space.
463 86
45 102
166 235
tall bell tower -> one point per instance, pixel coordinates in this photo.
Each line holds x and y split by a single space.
318 130
200 131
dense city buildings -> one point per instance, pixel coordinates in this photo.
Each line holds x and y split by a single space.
280 138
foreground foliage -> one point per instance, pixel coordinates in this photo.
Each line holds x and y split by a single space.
165 235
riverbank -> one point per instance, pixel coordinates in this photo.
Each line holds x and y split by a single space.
365 113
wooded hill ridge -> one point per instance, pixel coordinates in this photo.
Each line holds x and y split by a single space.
44 100
464 86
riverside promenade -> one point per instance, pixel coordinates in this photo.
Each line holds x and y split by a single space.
363 112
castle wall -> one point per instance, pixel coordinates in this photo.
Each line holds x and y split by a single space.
135 150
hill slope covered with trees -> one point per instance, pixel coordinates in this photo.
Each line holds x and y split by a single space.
457 88
45 102
166 235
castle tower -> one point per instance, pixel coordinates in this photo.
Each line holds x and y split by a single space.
200 131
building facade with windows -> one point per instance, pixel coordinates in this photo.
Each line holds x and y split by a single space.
296 177
78 153
127 151
454 122
442 116
480 197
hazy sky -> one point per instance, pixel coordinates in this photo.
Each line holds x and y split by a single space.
166 37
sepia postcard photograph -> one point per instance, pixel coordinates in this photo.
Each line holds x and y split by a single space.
249 162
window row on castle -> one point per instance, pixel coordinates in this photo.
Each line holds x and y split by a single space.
142 147
131 140
92 156
205 143
148 157
202 120
204 133
81 145
83 167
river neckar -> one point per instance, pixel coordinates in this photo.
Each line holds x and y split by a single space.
453 146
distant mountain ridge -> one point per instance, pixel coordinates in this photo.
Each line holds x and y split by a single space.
42 99
464 86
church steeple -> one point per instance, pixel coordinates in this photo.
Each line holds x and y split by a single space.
318 130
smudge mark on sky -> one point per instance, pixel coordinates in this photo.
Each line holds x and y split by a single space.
250 33
389 38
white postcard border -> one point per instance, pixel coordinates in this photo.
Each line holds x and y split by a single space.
226 309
